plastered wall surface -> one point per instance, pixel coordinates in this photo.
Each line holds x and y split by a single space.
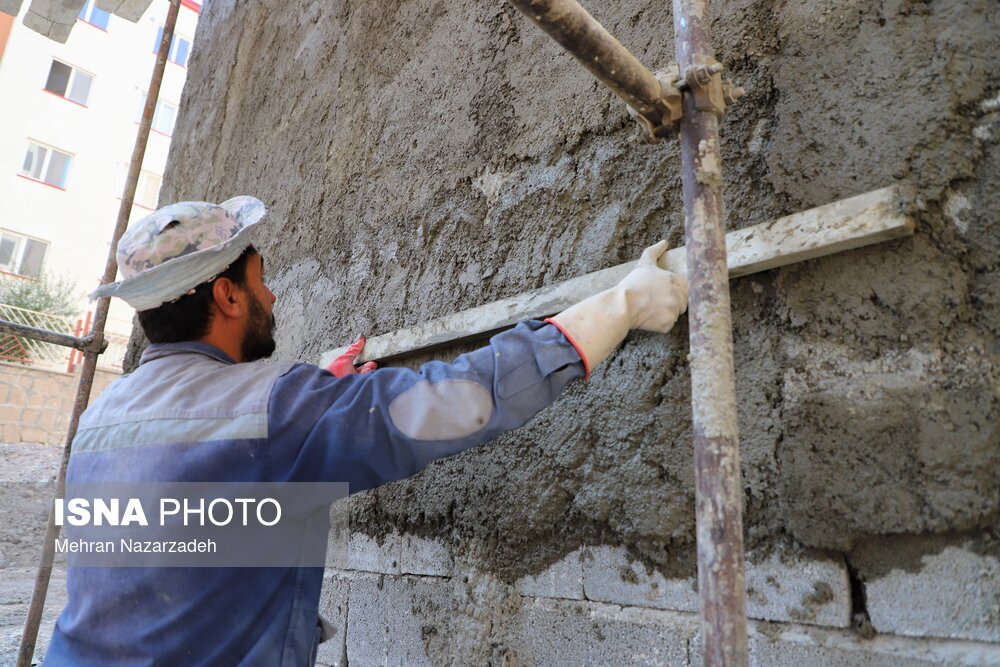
423 157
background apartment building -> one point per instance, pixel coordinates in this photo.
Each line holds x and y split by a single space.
70 115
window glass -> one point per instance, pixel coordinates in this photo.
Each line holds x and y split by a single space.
34 257
34 160
46 164
58 169
100 18
182 48
148 189
29 160
8 245
164 117
79 90
58 79
92 14
22 255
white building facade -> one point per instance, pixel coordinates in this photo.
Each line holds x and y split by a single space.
69 114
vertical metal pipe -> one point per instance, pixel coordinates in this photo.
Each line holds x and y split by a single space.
34 618
718 489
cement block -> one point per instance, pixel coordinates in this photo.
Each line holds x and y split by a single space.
11 7
567 632
804 589
131 10
10 433
610 575
780 587
333 607
367 554
53 19
389 618
956 595
787 644
424 556
562 579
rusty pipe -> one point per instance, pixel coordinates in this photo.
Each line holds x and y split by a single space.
567 22
46 336
718 489
34 618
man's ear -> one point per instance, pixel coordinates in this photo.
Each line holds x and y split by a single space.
228 298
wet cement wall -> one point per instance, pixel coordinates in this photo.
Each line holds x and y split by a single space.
423 157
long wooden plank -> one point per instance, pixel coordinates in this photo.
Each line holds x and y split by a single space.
869 218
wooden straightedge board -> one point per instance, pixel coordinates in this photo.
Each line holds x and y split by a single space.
849 223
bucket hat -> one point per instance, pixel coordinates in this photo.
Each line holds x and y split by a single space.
178 247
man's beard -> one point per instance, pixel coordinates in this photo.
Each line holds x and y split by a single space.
258 342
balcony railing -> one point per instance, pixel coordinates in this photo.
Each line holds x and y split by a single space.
21 350
33 352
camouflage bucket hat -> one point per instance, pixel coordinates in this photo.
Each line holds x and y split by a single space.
175 249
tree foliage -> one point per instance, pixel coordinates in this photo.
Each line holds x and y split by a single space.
52 294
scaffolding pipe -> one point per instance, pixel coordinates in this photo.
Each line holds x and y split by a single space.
46 336
34 618
589 42
718 490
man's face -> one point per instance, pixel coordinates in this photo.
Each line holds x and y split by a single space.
258 337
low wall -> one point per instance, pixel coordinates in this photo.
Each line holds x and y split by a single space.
36 404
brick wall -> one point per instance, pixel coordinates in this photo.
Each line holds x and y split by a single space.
36 404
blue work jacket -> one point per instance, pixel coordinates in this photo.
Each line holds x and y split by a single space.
189 413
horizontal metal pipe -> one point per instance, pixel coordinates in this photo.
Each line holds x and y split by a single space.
579 33
46 336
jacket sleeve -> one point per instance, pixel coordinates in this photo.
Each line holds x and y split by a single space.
372 428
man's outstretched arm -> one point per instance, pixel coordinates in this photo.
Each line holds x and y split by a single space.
372 428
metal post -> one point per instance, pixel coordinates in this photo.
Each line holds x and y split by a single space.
718 490
34 619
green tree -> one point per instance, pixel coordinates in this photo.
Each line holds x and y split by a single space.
55 295
52 294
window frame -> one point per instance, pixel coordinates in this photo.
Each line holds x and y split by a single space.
46 163
20 251
74 71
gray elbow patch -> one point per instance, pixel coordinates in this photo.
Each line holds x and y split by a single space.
445 410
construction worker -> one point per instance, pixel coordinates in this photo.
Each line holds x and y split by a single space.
197 409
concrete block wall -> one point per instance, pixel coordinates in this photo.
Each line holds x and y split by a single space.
36 404
417 605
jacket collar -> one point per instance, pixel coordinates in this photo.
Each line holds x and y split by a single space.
160 350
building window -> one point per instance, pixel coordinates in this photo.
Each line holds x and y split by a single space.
46 164
164 116
69 82
180 48
21 255
95 16
147 190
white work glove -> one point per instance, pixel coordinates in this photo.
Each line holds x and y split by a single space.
648 298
